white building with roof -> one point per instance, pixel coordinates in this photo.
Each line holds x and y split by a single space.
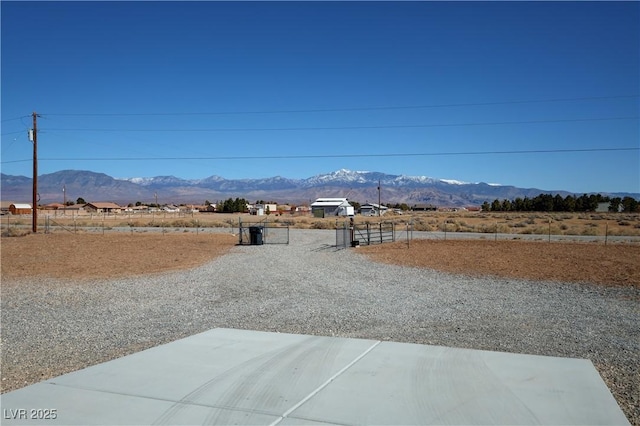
373 209
325 207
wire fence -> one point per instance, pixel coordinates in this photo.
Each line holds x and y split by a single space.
277 231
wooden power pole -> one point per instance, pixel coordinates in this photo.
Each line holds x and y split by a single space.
379 206
34 139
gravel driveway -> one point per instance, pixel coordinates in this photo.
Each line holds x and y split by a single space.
51 327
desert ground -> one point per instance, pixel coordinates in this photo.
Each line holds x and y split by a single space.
81 256
97 256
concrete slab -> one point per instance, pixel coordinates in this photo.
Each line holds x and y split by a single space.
228 376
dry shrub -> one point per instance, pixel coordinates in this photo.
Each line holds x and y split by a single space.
15 232
504 228
181 223
322 224
589 232
421 226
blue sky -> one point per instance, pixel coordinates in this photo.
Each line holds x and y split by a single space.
540 95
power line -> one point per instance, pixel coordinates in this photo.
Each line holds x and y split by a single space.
589 98
312 156
399 126
12 133
15 118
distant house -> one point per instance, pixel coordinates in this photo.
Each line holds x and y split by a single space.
325 207
170 208
54 206
256 209
75 208
262 209
424 208
103 208
20 208
372 209
284 209
137 209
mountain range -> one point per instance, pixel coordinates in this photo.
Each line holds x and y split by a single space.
360 186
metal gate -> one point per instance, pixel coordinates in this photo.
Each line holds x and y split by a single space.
374 233
366 233
270 232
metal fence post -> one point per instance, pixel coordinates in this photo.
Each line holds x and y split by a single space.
408 235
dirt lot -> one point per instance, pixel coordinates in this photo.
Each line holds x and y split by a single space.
565 262
87 256
80 256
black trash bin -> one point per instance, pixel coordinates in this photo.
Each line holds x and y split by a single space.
255 235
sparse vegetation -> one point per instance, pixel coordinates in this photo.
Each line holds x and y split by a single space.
593 224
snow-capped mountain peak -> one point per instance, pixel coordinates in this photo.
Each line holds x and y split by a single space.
360 186
454 182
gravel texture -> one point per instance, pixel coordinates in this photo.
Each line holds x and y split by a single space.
50 327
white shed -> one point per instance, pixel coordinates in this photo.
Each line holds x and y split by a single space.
372 209
324 207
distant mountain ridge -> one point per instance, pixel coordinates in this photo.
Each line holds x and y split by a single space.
361 186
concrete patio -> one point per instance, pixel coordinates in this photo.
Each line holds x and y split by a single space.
227 376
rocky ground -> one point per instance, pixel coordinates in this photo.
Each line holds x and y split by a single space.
73 300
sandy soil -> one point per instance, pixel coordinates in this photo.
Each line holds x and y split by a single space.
81 256
565 262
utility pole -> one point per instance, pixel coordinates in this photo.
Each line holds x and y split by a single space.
379 206
34 138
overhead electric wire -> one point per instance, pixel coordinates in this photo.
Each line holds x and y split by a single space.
316 156
398 126
588 98
15 118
